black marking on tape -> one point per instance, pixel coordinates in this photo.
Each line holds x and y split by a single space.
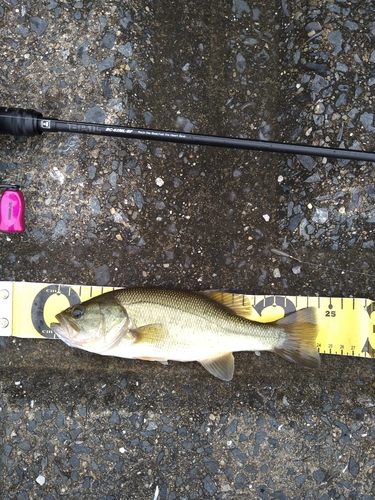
367 348
371 308
278 300
39 304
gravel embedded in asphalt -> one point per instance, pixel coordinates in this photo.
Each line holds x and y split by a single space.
129 212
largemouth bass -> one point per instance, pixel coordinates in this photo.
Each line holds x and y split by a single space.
161 325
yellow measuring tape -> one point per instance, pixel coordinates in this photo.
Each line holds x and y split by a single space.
346 326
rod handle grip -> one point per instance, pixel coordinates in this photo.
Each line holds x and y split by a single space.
19 122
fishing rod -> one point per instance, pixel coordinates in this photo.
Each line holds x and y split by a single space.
27 122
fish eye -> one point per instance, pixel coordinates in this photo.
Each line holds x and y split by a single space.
78 312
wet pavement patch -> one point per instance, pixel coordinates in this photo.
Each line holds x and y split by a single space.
130 212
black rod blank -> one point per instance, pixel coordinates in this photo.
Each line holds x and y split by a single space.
27 122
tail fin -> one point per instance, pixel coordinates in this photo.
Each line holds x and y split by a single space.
299 344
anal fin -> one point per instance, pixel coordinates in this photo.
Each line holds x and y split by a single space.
222 367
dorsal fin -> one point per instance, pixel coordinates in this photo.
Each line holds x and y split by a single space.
239 304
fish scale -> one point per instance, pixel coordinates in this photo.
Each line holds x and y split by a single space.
193 323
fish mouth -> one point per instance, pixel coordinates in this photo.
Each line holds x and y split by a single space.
67 331
63 329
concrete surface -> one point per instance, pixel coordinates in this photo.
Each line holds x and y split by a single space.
115 212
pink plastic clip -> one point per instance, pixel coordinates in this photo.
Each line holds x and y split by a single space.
12 211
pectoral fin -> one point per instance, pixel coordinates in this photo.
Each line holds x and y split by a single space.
153 333
237 302
150 334
222 368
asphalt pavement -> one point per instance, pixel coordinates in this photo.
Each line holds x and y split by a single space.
106 211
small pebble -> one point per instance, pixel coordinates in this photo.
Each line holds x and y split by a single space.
95 115
138 199
38 25
320 215
60 229
106 64
240 63
353 467
296 269
102 275
276 273
40 480
126 50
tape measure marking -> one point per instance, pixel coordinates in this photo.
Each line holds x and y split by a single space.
39 304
